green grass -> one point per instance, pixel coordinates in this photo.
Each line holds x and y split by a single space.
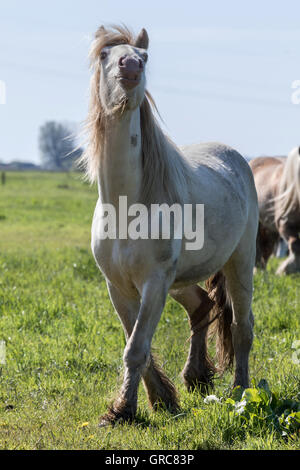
65 343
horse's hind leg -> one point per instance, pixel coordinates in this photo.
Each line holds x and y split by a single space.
199 369
239 285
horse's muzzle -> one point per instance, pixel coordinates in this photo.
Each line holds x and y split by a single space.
130 71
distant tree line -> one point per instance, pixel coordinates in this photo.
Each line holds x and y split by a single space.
58 146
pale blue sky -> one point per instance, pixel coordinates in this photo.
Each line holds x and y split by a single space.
218 70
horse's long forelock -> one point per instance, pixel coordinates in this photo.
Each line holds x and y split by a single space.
164 175
288 198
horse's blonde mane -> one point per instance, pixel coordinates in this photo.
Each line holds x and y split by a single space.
164 169
95 122
288 198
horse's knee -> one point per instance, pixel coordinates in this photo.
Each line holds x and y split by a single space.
136 357
294 246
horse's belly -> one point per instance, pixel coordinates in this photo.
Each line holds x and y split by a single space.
192 275
198 270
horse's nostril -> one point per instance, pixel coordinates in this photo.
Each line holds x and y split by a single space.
141 64
121 61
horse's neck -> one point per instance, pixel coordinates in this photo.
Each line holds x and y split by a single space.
121 160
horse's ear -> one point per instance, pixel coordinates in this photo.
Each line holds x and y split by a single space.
100 32
142 41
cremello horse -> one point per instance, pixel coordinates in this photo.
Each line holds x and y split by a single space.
277 182
129 155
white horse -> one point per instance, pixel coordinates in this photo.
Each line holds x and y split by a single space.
129 155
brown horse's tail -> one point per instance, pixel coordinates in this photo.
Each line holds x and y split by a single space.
222 313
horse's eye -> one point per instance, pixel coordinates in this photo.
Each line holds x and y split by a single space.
145 57
103 55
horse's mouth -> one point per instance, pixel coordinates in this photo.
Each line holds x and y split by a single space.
128 82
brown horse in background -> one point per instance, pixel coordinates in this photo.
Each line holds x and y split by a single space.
277 181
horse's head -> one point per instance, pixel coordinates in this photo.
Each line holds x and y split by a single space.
122 67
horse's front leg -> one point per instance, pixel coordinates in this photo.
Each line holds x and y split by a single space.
137 358
265 244
292 263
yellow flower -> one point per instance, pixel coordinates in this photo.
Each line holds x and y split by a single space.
84 425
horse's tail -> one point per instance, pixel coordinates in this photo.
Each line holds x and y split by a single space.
222 313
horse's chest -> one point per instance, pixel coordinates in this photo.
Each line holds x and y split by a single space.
120 264
109 257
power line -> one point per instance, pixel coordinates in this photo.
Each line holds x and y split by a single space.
44 70
224 97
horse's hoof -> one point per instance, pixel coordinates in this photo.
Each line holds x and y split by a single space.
115 416
203 384
103 423
108 420
171 406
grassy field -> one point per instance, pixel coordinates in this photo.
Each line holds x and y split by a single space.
64 342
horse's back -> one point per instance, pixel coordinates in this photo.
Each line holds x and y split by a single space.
206 151
220 164
267 172
265 163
